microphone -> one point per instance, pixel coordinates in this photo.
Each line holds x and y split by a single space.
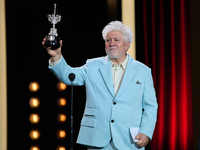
71 78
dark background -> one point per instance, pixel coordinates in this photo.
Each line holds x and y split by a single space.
26 25
80 29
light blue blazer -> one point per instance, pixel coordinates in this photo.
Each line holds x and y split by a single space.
108 115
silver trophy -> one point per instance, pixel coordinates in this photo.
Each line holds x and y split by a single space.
52 39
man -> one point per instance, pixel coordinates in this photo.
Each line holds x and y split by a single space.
120 94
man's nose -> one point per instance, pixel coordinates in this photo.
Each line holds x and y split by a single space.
112 43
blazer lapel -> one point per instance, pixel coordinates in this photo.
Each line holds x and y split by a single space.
105 71
129 74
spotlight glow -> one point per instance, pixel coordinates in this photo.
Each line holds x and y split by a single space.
34 102
34 86
60 148
34 134
34 118
61 86
61 102
61 134
34 148
61 118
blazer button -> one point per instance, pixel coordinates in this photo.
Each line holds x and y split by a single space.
114 103
112 121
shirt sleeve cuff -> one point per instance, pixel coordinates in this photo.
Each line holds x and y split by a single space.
52 64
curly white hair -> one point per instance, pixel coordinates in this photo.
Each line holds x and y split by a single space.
126 31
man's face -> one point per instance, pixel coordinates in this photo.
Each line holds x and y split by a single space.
116 46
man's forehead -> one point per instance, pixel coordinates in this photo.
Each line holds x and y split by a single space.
113 37
114 34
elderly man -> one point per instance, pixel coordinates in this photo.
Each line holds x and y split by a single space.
120 94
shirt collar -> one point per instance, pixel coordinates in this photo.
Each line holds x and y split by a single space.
123 64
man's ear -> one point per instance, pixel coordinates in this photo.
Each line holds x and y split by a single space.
127 45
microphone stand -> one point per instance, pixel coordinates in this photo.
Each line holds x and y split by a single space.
71 78
72 116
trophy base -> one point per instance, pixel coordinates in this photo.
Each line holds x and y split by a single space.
52 41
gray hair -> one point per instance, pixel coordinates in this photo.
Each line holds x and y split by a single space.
126 31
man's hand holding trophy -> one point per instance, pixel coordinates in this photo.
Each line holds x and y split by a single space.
52 39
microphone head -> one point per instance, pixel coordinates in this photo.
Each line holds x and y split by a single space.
71 76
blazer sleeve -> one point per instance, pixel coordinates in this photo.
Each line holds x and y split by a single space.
62 71
149 105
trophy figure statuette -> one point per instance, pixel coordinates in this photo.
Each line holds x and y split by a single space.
52 39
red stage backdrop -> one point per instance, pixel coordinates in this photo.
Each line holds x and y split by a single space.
166 47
